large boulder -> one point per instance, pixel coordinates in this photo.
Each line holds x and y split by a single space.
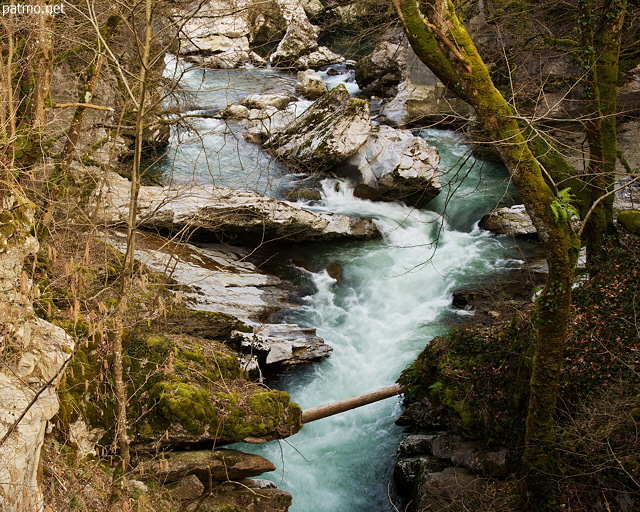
222 285
326 134
394 164
512 221
393 70
380 72
224 214
318 58
216 26
300 39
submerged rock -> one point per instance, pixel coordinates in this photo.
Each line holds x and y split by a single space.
326 134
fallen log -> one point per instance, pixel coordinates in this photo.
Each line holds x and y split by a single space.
323 411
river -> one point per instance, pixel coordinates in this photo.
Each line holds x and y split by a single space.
393 296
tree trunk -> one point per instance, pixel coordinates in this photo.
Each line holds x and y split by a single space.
467 75
600 56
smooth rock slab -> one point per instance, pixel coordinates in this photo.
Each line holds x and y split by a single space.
226 215
221 464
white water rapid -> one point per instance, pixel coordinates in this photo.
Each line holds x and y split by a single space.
394 296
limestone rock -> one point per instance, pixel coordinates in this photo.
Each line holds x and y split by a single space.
300 39
397 164
380 72
189 488
471 455
285 344
512 221
408 471
247 499
310 84
39 352
260 129
223 281
262 101
326 134
417 443
225 214
221 464
318 58
215 26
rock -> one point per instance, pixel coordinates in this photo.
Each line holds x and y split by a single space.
425 415
39 352
310 84
284 344
224 214
260 483
226 60
393 70
417 443
437 491
262 101
221 464
235 112
380 72
224 282
408 471
630 220
397 164
512 221
312 8
327 133
248 500
472 455
260 128
300 39
220 17
318 58
137 486
189 488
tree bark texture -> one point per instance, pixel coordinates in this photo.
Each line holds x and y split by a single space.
442 43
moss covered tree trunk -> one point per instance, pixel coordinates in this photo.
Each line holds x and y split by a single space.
601 33
442 43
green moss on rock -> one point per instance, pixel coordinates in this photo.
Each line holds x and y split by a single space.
630 220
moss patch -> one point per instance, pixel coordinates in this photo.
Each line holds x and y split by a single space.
630 220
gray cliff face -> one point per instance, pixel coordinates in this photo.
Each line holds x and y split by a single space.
34 353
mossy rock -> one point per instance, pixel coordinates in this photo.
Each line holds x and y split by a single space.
197 389
630 220
477 378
